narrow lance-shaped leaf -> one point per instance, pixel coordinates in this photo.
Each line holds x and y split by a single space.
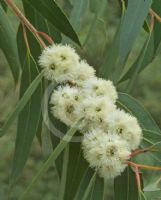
139 65
133 106
77 166
79 8
41 24
125 186
21 104
52 12
28 119
145 57
84 184
60 147
125 37
156 6
151 131
8 44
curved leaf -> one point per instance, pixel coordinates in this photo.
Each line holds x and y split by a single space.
29 117
125 186
52 12
134 107
151 131
54 155
157 26
145 57
41 24
125 37
21 104
8 44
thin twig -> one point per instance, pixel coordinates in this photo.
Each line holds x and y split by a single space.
137 174
25 21
146 167
46 36
151 21
138 152
25 38
155 15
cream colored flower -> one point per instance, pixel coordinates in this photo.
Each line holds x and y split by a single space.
100 87
58 61
106 153
82 72
65 101
126 126
94 111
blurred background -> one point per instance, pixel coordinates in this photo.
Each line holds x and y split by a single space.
147 90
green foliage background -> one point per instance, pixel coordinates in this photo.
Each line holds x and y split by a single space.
147 89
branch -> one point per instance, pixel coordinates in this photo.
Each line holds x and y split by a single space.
25 21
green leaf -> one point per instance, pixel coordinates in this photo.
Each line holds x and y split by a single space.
52 12
151 131
60 147
125 186
98 189
96 18
88 190
29 117
77 166
132 24
138 66
125 37
41 24
84 184
8 44
77 13
94 4
156 6
21 104
131 105
64 174
4 5
145 57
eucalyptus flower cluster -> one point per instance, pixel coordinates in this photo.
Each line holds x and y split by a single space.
109 133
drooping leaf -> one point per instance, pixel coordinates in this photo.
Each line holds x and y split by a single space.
52 12
139 64
125 37
88 190
76 169
132 24
145 57
77 13
84 184
64 174
134 107
40 23
21 104
156 6
151 131
8 44
60 147
98 12
98 189
29 117
125 186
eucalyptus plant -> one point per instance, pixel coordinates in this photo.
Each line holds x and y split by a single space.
98 133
